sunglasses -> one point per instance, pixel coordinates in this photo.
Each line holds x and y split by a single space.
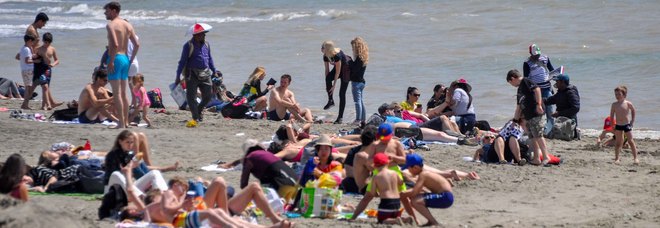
489 137
417 94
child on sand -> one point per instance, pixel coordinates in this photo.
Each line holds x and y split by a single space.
386 185
43 65
27 68
440 195
621 110
141 102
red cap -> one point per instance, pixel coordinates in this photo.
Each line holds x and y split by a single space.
381 159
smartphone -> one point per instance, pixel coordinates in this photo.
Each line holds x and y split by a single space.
271 81
130 155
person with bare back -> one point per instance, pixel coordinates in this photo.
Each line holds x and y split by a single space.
282 103
44 62
119 34
622 109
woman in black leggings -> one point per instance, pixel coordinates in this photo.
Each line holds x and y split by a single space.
334 56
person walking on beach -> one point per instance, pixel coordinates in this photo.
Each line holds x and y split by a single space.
537 68
119 34
530 106
337 58
196 65
358 66
39 22
621 110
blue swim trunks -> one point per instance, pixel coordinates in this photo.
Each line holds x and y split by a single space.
441 200
121 68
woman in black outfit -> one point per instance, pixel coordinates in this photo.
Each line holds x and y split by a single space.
361 54
337 58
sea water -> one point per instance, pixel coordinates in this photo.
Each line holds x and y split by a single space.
602 44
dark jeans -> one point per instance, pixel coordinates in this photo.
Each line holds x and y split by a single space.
343 87
192 84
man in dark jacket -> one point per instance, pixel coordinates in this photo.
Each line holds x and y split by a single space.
567 99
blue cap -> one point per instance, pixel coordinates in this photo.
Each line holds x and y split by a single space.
413 160
562 77
384 132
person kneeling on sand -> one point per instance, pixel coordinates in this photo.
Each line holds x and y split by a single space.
439 195
386 185
95 104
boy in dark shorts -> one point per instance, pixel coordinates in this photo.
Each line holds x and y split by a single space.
386 185
623 112
440 195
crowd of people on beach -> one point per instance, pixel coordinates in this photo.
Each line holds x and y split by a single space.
376 159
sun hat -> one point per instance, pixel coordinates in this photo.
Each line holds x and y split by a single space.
413 160
323 140
199 28
381 159
385 132
462 81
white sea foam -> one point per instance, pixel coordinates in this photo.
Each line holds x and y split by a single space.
15 11
408 14
49 10
332 13
76 25
272 17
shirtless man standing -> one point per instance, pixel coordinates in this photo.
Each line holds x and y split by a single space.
119 34
282 103
94 101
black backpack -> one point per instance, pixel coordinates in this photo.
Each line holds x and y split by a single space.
156 98
67 114
112 202
234 110
91 181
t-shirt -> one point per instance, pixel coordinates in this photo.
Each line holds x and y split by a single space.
526 98
26 52
141 94
407 106
340 56
357 70
461 101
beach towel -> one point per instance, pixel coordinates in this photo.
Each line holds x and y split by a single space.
215 168
83 196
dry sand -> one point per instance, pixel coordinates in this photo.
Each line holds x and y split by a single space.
587 190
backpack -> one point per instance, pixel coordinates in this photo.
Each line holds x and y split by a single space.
236 109
91 181
190 52
156 98
563 129
112 202
65 114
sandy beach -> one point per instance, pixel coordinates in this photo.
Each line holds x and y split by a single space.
587 190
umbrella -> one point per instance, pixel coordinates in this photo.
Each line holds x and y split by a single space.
198 28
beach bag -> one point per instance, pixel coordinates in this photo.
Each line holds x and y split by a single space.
236 109
320 202
64 114
178 94
112 202
156 98
91 181
563 129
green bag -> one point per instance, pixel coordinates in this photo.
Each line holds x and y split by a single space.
320 202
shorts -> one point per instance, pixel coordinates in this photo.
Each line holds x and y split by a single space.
82 118
272 115
535 127
134 68
435 124
27 77
388 208
121 68
624 128
350 186
438 200
187 219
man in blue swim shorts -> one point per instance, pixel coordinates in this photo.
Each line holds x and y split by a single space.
440 195
119 34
